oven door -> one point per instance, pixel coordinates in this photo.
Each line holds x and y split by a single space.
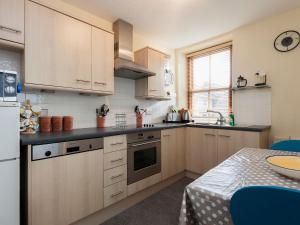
144 160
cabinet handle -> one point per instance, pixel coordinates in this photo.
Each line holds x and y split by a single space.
10 29
207 134
223 135
116 194
166 135
100 83
116 160
153 90
118 143
117 176
84 81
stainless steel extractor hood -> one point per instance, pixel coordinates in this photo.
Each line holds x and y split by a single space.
124 65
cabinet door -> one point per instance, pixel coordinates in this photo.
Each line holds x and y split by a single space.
12 20
58 49
172 152
201 154
209 150
168 153
84 181
180 149
194 144
102 61
156 64
230 142
48 192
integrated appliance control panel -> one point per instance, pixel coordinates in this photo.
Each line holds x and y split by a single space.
64 148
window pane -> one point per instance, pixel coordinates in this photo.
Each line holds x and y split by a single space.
219 101
199 103
201 73
220 69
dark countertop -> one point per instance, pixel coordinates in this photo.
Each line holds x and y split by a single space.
86 133
253 128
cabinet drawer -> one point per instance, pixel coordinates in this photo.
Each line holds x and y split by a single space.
115 175
115 193
115 143
115 159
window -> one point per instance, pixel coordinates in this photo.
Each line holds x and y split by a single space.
210 83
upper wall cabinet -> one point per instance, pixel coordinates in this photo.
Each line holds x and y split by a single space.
58 53
12 20
102 61
151 87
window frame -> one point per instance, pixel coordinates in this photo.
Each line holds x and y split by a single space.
201 53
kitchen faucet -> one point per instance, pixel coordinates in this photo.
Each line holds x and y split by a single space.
221 120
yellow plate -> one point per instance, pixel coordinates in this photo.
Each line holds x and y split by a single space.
286 165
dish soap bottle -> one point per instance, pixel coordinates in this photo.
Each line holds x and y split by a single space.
231 119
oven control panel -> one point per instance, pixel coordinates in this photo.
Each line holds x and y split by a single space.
143 136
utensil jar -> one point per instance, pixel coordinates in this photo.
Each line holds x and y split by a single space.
100 121
139 120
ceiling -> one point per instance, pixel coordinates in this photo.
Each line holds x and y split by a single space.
177 23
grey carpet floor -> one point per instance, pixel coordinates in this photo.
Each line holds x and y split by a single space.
161 208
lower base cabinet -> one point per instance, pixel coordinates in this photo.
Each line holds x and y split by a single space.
66 189
172 152
206 148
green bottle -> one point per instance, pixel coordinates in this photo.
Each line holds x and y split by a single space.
231 119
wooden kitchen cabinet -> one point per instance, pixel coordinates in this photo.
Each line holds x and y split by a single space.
12 20
209 150
154 86
47 196
208 147
58 49
231 141
172 152
66 189
63 53
102 61
201 149
84 180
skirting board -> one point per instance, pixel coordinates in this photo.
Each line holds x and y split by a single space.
113 210
192 175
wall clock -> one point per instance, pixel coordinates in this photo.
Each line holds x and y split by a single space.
287 41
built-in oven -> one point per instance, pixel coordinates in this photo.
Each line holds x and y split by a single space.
143 155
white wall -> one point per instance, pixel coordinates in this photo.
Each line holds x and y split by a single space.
253 50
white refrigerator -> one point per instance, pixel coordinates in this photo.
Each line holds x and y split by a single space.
9 163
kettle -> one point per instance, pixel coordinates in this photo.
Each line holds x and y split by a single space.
186 115
241 82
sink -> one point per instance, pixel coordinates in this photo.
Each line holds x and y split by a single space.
210 124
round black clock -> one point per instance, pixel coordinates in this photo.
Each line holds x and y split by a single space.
287 41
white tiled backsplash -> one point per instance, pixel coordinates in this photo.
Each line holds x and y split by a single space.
83 108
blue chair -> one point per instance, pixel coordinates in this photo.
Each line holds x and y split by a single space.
287 145
265 205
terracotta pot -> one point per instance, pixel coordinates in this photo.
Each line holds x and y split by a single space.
139 120
68 123
57 123
100 122
45 124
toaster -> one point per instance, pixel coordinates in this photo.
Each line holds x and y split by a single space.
8 86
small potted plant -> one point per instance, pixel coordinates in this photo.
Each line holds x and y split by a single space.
101 114
139 116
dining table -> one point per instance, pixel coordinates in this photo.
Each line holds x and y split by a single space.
207 199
